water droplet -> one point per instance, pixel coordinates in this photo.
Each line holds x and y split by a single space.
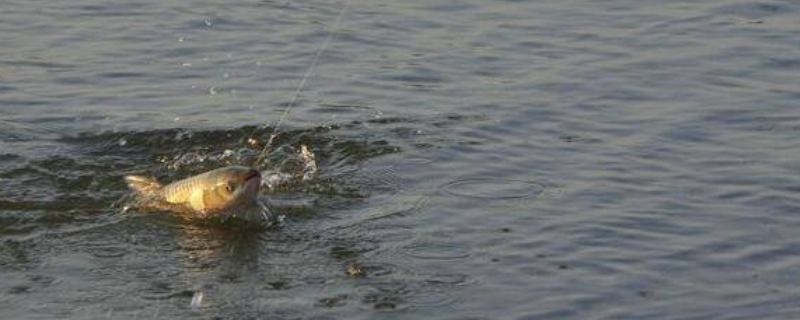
197 299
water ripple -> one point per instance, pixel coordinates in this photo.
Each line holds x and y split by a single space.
436 251
493 189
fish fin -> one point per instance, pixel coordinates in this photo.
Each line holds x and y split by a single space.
143 185
266 212
197 200
257 212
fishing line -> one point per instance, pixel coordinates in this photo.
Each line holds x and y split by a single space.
304 80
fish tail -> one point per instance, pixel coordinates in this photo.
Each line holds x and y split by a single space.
143 186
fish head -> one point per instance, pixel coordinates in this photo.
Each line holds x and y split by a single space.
232 187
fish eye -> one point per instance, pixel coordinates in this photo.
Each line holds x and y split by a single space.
230 187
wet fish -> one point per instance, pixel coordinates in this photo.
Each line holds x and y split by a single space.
228 191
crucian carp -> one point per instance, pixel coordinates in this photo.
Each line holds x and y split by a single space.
225 192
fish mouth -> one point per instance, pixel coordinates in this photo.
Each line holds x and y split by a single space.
252 174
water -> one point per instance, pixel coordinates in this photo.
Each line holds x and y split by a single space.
478 159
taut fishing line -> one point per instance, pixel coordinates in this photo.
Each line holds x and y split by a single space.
304 80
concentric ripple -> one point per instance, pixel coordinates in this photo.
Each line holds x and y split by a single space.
493 189
436 251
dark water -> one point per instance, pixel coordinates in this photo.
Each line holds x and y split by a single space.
479 159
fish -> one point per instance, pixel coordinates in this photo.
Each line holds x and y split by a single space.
225 192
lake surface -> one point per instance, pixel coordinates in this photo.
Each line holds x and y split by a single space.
606 159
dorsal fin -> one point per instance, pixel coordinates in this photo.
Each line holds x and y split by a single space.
143 185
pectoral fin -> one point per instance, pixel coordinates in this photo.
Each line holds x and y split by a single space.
258 212
197 201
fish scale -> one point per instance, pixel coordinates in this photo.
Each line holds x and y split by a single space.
179 191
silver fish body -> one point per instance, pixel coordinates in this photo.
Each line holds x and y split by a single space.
227 191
